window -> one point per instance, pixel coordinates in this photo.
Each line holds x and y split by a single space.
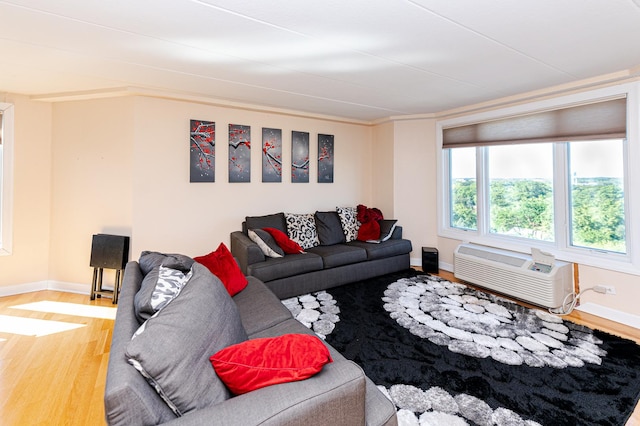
463 197
520 183
596 191
552 175
6 177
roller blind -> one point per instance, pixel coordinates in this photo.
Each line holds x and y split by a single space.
593 121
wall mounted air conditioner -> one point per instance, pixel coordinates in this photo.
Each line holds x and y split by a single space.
537 279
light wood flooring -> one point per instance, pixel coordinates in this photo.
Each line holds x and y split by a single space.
58 379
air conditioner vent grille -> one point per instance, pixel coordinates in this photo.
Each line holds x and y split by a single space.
508 273
494 255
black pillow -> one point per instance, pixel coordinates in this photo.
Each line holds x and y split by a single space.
268 221
387 226
329 228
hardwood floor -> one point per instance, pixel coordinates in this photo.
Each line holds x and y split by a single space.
58 378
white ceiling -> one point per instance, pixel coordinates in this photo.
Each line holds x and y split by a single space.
357 59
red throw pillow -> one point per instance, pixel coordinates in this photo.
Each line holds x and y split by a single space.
256 363
222 264
369 231
286 244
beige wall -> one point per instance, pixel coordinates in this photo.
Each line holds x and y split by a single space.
171 214
383 169
29 261
415 183
91 181
120 165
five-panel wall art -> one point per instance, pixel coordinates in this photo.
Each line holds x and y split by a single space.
202 147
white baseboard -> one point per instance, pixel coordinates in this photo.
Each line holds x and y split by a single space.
23 288
71 287
416 261
610 314
45 285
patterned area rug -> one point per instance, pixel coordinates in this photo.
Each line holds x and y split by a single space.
446 354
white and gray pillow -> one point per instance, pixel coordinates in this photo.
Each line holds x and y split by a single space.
349 221
265 241
301 228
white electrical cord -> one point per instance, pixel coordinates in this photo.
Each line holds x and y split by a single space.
571 300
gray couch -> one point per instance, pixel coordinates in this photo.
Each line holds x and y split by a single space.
187 333
327 264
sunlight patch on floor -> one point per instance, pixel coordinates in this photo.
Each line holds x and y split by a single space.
103 312
34 327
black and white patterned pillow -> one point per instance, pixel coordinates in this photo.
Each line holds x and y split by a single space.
302 229
168 286
349 222
170 282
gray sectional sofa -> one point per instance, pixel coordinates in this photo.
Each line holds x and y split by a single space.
332 256
174 346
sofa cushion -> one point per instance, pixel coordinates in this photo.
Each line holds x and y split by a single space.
258 363
286 244
150 259
301 228
222 264
173 351
275 220
329 228
339 254
159 287
287 266
389 248
349 222
265 241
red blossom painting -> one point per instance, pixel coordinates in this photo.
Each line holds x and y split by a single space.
299 157
325 158
271 155
239 153
202 148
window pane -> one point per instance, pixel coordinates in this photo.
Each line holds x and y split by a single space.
521 190
597 195
462 181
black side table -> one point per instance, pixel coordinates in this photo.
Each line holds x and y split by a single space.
108 252
430 261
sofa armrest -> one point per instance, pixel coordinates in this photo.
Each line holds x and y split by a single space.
128 398
245 251
335 396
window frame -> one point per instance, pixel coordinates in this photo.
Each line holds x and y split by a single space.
6 181
628 262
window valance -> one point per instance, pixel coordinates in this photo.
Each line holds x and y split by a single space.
593 121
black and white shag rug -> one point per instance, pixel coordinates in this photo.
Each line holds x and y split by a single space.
446 354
